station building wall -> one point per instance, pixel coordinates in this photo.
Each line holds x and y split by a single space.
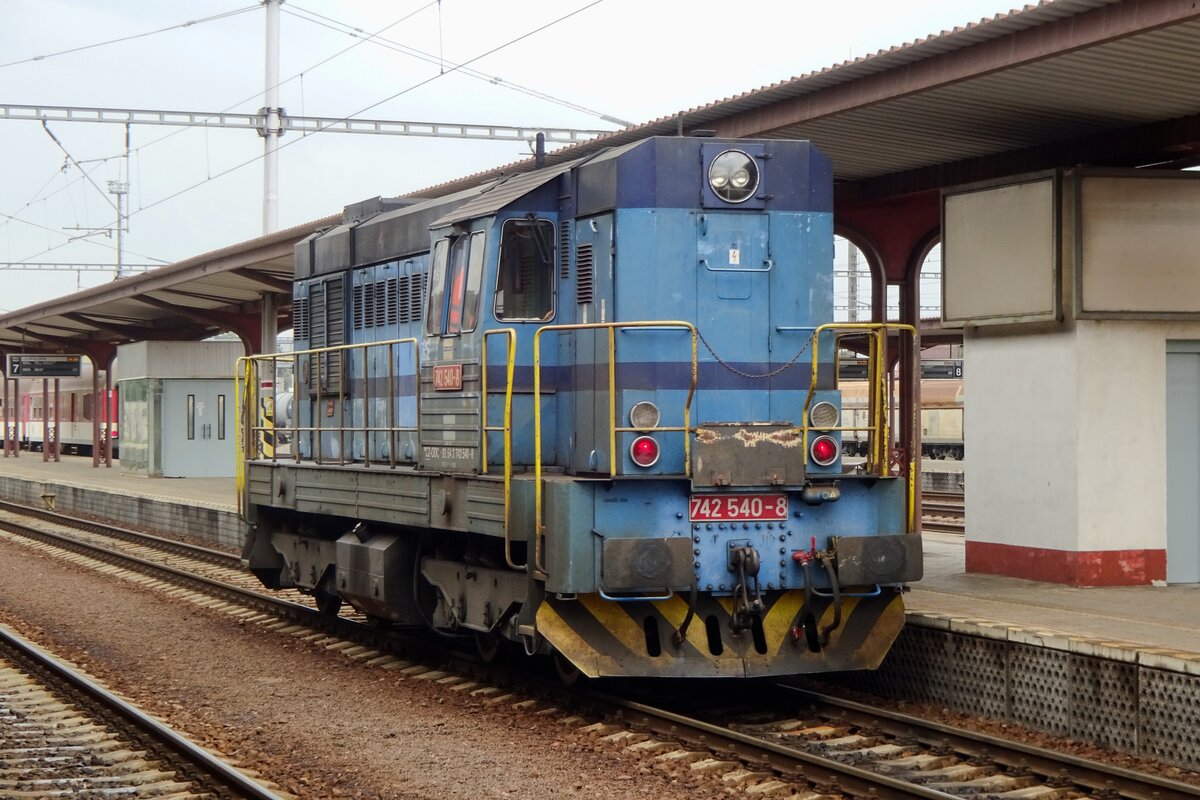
1067 439
1068 451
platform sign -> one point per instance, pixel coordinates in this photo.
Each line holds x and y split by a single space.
44 366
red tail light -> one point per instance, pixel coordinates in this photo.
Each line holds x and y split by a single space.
644 451
824 450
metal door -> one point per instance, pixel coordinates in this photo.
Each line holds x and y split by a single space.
1183 462
594 253
196 437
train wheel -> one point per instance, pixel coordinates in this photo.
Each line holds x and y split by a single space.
327 603
489 646
567 672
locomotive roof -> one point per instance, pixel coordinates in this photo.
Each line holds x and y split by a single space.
495 196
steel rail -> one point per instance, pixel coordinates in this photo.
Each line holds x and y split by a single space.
194 550
1085 772
806 766
197 757
285 608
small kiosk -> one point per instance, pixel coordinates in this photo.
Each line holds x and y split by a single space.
177 408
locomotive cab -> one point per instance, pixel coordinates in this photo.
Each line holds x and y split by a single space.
594 409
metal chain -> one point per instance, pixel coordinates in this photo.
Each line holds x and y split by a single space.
737 371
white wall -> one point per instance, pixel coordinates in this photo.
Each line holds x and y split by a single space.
1066 435
1021 439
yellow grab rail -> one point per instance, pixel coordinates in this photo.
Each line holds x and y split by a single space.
510 360
248 399
613 430
877 392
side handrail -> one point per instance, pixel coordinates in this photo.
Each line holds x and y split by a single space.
249 428
510 335
613 430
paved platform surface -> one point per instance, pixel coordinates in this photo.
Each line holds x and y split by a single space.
1156 617
78 471
1151 617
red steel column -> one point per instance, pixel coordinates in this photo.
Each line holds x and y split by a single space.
45 420
96 406
57 424
17 414
108 416
7 411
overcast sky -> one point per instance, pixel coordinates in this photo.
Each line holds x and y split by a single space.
635 60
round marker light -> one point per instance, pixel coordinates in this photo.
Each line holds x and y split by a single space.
823 415
644 416
824 450
644 451
733 176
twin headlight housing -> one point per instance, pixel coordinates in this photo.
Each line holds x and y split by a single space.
733 176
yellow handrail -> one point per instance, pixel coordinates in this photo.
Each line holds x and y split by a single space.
511 357
248 430
877 392
611 327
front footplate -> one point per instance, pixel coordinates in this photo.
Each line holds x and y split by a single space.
606 638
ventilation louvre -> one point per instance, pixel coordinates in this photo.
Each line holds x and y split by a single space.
583 271
393 302
564 249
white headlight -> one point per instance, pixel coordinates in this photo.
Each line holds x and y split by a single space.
823 415
644 416
733 176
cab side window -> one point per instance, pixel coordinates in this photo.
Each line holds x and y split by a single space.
525 285
454 284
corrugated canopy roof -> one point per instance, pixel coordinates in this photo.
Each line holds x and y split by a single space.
1055 84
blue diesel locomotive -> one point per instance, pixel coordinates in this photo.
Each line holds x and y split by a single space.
591 409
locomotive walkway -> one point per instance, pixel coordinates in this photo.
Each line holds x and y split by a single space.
1156 619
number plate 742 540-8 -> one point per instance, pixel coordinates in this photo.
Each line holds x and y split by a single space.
737 507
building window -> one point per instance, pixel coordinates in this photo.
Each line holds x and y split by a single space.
221 416
191 416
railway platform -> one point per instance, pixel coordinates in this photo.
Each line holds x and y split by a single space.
203 508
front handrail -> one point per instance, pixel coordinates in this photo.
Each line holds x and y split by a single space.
879 398
510 335
613 429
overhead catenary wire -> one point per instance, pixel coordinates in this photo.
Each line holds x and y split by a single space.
430 58
376 104
189 23
299 74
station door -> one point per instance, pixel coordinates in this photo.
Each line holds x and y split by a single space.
1183 462
197 440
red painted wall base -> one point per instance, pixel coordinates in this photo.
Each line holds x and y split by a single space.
1088 568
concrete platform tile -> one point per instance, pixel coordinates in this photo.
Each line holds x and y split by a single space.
1123 652
928 619
1170 661
979 627
1049 640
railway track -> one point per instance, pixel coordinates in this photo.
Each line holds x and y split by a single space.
942 512
774 739
62 735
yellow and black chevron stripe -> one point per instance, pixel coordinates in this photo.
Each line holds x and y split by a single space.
606 638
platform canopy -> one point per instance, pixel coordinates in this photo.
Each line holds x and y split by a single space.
1099 82
194 299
